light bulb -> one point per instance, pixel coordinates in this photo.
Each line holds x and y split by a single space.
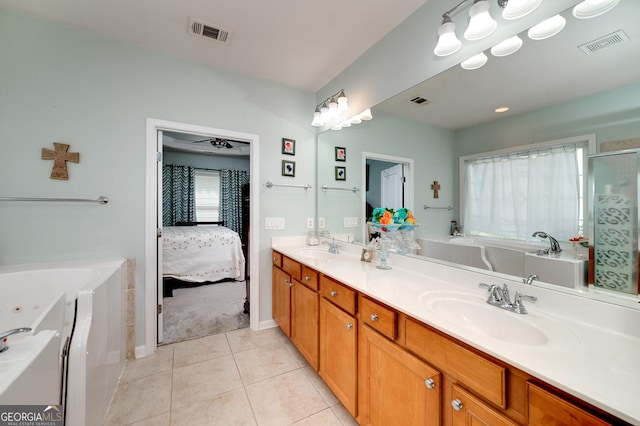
507 47
342 101
481 23
518 8
547 28
475 62
317 121
592 8
448 43
366 115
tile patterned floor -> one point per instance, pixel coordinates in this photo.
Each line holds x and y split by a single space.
240 377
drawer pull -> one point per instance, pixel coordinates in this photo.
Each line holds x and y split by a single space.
430 383
307 278
374 317
290 284
349 326
456 404
275 259
286 280
333 293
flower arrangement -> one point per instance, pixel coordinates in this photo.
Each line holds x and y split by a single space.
582 241
387 216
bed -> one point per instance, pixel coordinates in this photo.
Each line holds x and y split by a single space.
203 253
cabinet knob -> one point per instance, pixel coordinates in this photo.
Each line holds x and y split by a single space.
307 278
275 259
286 280
456 404
290 284
349 326
374 317
430 383
333 293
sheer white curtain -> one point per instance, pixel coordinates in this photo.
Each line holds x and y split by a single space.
511 196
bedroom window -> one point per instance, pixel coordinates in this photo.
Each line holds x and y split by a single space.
510 194
207 195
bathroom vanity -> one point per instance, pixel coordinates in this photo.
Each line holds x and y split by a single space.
417 344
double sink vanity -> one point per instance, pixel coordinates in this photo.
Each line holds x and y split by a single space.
419 344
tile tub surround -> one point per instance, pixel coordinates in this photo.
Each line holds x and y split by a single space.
238 377
602 369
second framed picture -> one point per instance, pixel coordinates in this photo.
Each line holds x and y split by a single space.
288 168
341 173
341 153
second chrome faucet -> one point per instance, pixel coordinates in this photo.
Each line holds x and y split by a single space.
500 297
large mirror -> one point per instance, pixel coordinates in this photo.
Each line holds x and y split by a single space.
555 89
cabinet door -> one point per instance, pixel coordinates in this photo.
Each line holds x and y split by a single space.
281 299
305 307
338 353
467 410
546 408
396 388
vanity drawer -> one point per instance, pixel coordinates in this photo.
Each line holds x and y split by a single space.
276 258
309 277
379 317
339 294
291 267
477 373
547 408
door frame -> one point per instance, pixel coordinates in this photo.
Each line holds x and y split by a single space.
408 188
151 214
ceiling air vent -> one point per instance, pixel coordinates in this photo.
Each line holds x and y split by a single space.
609 40
419 100
212 32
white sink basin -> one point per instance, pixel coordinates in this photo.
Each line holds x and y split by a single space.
471 312
314 253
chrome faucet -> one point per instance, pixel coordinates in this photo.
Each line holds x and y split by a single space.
529 280
499 296
554 245
334 248
3 336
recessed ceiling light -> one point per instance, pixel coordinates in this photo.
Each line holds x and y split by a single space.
501 109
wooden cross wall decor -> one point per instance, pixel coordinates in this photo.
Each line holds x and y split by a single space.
435 186
60 156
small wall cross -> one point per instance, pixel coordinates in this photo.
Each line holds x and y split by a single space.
435 186
60 156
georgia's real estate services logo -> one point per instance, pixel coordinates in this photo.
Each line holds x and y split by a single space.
31 415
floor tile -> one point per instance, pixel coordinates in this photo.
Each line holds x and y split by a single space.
264 362
343 415
243 339
284 399
323 418
160 361
140 399
227 409
204 380
300 359
163 419
320 386
202 349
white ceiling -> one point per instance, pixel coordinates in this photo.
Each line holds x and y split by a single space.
297 43
541 74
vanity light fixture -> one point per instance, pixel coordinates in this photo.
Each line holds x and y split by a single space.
330 108
592 8
507 47
481 24
475 62
547 28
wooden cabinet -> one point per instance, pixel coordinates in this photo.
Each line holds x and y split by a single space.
546 408
338 353
468 410
281 299
305 308
395 387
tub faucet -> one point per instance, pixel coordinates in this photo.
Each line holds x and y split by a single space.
3 336
333 247
554 245
529 280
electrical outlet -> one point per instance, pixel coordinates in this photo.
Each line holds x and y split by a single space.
309 223
321 222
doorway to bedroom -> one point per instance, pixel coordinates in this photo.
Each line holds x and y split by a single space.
205 214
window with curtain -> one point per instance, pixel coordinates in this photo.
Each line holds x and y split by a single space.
510 195
207 189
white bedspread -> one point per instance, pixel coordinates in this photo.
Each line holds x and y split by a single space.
202 253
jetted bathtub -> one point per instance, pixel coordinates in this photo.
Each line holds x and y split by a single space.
72 308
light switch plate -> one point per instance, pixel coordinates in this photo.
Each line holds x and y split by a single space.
274 223
350 222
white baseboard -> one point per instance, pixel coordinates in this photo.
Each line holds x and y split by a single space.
263 325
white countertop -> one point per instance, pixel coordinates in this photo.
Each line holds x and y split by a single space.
593 348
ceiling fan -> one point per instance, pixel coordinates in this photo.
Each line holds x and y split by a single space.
217 143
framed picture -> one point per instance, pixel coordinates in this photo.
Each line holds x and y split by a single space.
341 154
288 168
341 173
288 146
367 255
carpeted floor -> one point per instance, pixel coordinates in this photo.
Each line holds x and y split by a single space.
203 310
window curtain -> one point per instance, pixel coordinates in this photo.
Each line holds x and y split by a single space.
231 182
178 194
515 195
